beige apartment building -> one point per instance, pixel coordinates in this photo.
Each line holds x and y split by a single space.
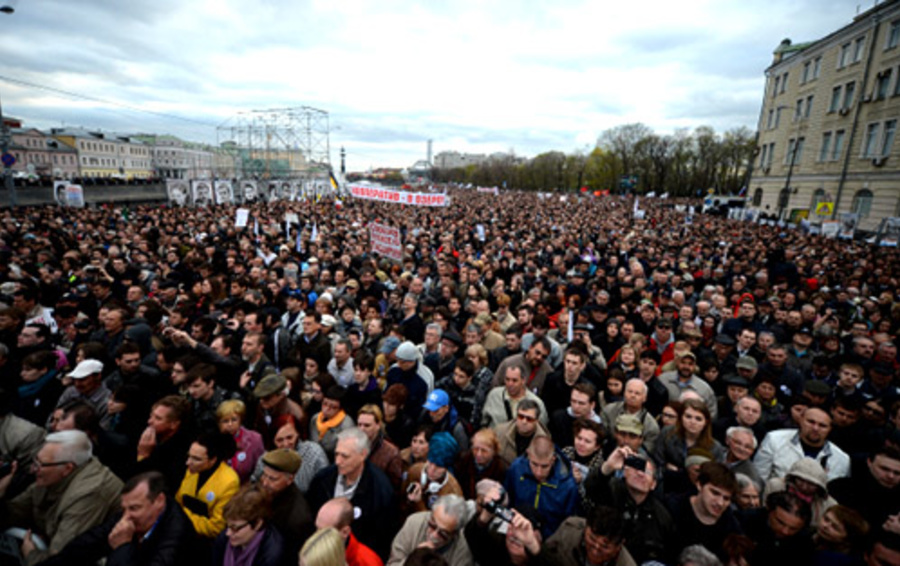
828 124
109 155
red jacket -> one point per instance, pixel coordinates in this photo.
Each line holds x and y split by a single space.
359 554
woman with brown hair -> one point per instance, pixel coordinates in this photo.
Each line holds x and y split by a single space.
840 537
248 539
692 430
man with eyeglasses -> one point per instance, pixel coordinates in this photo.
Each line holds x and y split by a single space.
438 529
150 529
72 493
516 435
597 540
291 514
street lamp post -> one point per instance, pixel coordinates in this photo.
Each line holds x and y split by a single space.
5 138
786 191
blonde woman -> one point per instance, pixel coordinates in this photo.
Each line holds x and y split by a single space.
249 443
324 548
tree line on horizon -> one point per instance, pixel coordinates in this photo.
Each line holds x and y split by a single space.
627 158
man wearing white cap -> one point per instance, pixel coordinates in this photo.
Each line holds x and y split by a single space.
88 386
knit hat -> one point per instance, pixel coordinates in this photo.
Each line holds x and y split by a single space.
442 449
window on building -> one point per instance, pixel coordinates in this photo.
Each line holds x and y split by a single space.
799 149
778 116
805 75
791 155
882 84
798 110
826 147
859 47
762 156
844 56
838 145
771 119
835 99
849 91
893 37
870 143
757 196
771 154
808 109
887 138
817 67
784 81
862 202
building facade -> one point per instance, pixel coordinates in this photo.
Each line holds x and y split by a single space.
41 156
173 158
828 124
106 155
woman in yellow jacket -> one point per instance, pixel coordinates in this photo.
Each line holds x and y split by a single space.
209 483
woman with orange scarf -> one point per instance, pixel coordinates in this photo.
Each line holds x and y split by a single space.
331 420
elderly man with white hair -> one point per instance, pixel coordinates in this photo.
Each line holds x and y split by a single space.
72 493
439 529
367 487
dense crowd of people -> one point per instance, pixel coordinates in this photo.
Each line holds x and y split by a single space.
539 380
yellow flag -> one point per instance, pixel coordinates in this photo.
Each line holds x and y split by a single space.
825 208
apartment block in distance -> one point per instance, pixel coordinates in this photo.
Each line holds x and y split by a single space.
828 124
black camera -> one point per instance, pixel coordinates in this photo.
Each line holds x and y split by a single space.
636 462
504 513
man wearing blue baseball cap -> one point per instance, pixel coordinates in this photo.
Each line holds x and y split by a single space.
442 415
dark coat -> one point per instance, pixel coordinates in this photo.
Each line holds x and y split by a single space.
376 524
169 459
293 518
468 475
171 543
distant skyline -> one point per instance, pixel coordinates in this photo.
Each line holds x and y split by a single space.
474 77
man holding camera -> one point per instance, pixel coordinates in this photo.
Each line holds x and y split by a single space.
626 482
521 541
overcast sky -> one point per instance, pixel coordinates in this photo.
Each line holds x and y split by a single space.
474 76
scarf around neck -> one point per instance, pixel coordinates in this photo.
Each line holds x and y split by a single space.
243 556
324 426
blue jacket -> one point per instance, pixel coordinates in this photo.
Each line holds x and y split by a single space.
555 499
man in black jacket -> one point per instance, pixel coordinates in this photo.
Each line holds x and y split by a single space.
626 482
367 488
151 529
873 489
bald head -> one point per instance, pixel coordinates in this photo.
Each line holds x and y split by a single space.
336 513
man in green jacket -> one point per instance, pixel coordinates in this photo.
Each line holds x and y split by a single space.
72 493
